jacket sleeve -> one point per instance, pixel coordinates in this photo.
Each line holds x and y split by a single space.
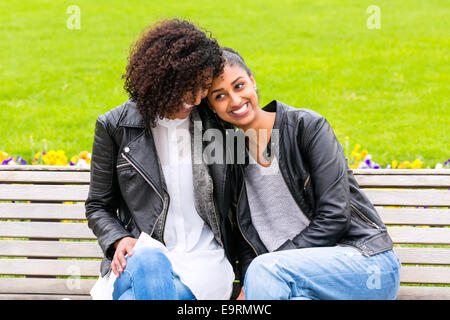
325 158
104 195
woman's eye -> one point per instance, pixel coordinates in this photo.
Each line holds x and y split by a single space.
240 85
219 96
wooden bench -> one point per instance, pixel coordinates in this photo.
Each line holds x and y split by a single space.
43 256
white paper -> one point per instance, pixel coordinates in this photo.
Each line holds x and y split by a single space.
104 287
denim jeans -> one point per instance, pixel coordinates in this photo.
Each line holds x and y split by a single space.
148 275
323 273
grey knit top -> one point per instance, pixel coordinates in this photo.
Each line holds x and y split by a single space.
274 212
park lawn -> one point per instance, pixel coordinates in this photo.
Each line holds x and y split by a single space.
386 88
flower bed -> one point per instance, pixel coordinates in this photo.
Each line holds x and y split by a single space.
358 159
50 158
362 159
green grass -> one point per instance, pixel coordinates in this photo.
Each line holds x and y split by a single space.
386 89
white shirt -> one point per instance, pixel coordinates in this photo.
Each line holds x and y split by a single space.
196 257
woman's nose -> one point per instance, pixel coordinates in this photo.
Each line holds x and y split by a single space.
235 99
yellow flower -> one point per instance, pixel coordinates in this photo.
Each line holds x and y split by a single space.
3 156
55 158
417 164
84 155
404 165
364 153
394 164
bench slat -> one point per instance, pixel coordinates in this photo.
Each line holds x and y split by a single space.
46 286
55 230
50 249
407 172
83 177
417 181
50 267
415 255
43 168
435 275
85 268
423 293
45 230
355 171
83 249
409 235
46 177
42 211
420 217
12 192
397 197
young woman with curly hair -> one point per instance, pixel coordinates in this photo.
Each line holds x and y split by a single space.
306 230
143 179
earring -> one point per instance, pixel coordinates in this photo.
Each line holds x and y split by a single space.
210 106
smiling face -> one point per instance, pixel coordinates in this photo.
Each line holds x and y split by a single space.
190 102
233 96
193 95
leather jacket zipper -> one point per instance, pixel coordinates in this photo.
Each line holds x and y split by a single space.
365 254
306 182
153 187
128 223
123 165
237 218
363 217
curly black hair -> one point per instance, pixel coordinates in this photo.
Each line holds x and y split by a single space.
171 59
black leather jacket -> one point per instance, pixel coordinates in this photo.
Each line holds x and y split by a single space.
127 193
314 167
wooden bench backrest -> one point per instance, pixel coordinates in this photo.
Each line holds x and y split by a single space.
48 240
40 259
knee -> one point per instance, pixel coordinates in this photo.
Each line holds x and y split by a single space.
265 279
148 259
262 267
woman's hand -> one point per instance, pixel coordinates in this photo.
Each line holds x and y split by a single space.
241 295
123 246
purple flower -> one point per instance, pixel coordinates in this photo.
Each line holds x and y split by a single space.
447 162
20 161
363 165
368 163
7 161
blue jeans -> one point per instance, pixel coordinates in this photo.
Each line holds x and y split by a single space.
323 273
148 275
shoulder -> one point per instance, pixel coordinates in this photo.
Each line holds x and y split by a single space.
125 114
302 118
